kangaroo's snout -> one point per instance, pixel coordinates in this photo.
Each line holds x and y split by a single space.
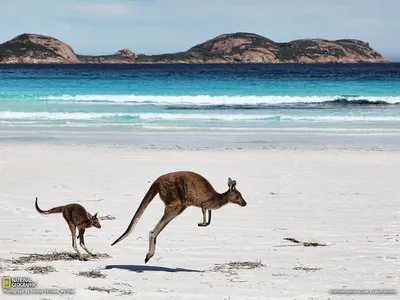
243 204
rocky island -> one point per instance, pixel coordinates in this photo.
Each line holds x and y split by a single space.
238 47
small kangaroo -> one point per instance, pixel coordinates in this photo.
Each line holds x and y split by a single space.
76 216
178 190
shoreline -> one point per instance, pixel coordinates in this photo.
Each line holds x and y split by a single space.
210 140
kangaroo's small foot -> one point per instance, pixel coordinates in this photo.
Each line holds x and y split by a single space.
203 224
92 254
148 256
82 258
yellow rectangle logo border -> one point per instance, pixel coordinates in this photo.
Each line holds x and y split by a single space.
6 282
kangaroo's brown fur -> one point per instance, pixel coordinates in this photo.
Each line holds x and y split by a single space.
178 190
76 216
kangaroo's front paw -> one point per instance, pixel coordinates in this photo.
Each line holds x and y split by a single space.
202 224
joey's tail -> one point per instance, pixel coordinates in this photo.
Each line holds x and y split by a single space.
151 193
54 210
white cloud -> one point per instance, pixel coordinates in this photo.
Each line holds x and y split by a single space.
104 9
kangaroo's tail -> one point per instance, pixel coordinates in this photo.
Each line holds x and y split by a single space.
151 193
54 210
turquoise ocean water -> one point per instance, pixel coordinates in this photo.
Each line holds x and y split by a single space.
202 98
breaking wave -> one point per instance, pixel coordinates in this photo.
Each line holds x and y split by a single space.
205 100
171 117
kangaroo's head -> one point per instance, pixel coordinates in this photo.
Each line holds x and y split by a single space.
234 196
94 221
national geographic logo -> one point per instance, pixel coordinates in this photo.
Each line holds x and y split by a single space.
9 282
26 286
6 282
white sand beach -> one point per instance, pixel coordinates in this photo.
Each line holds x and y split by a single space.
348 200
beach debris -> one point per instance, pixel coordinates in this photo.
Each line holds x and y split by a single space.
40 269
165 290
122 283
279 274
313 244
107 217
92 274
55 256
232 267
307 269
292 240
4 268
110 290
102 289
305 244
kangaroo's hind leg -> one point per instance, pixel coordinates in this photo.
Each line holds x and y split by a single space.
170 212
72 227
82 241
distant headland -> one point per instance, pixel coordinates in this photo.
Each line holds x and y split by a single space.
240 47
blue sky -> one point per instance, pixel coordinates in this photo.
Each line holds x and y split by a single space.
163 26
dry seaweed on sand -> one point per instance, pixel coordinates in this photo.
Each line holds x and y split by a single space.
313 244
54 256
231 267
293 240
305 244
102 289
40 269
110 290
4 267
108 217
92 274
307 269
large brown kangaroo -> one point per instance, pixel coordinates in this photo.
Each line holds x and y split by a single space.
178 190
76 216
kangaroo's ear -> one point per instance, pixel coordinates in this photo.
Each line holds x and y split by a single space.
231 183
95 215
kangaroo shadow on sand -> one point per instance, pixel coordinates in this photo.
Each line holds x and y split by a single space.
141 268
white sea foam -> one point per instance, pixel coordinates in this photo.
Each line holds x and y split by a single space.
206 129
7 115
10 115
215 100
